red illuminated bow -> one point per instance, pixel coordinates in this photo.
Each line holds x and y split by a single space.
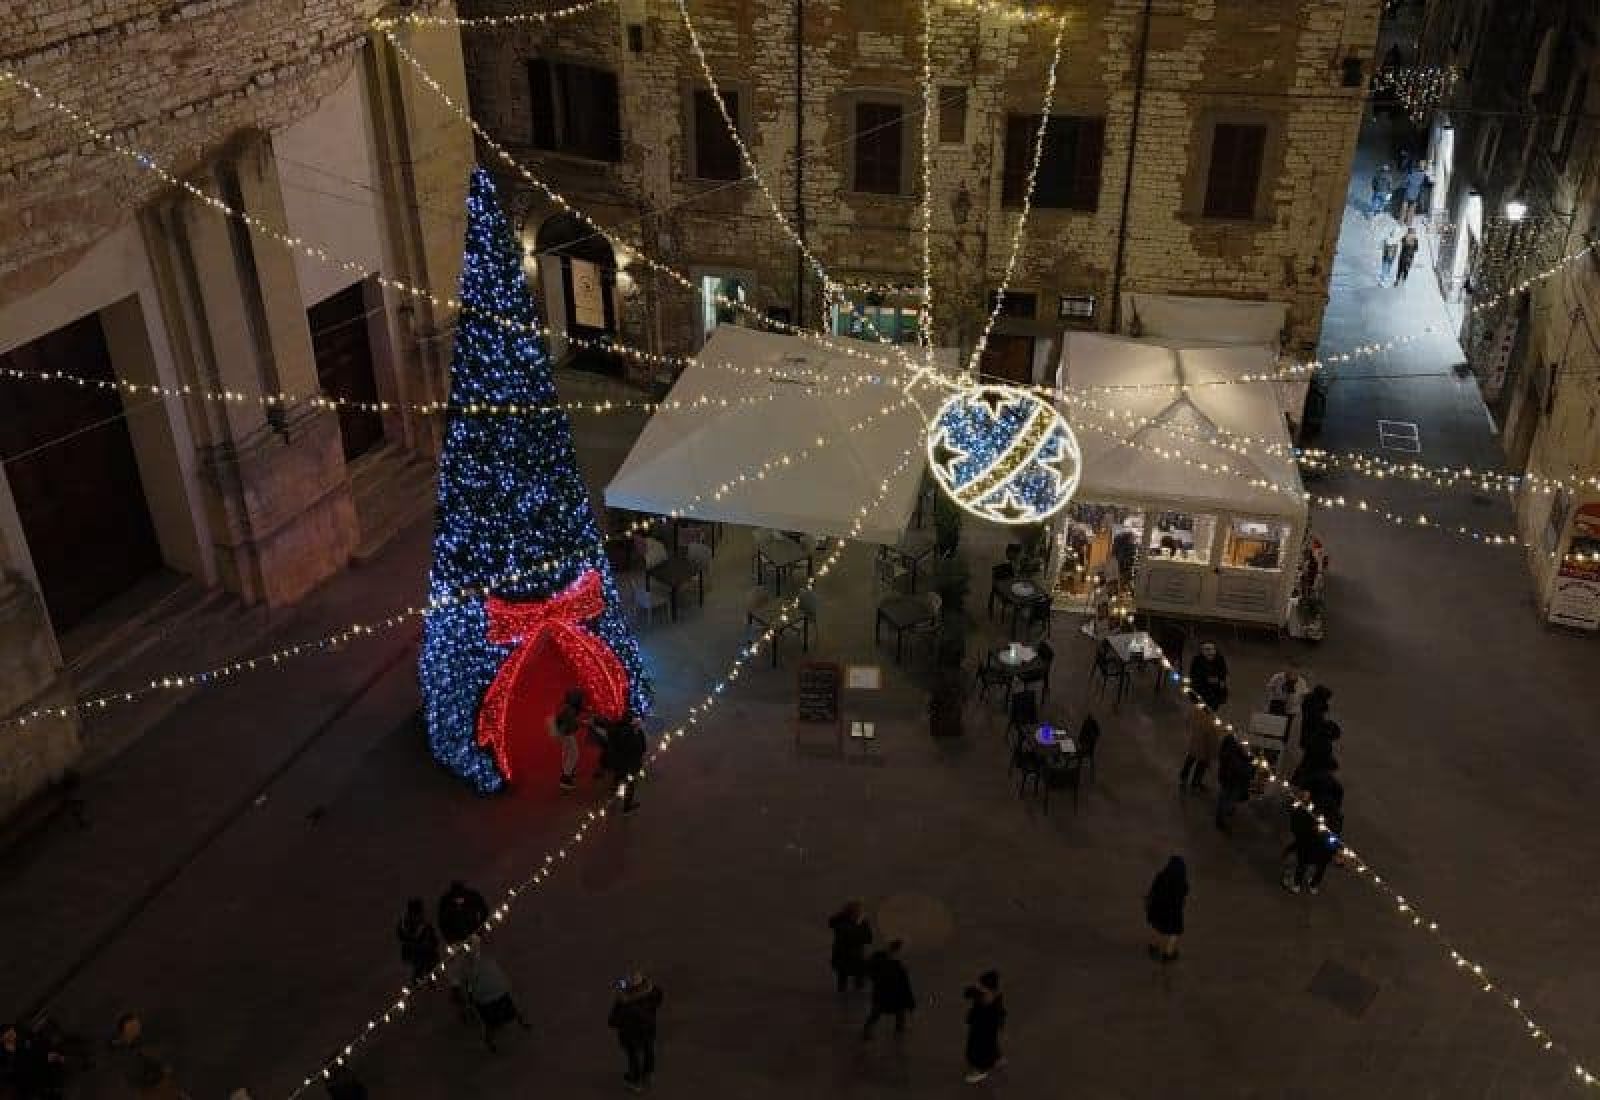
533 627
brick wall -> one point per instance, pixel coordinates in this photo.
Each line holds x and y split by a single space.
173 79
1278 58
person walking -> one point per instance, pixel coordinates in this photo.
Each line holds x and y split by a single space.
851 937
419 943
891 989
1382 185
1390 250
986 1015
1313 848
489 990
1408 253
462 912
1415 180
625 753
1163 909
565 725
633 1017
1314 711
1316 752
1208 682
1235 770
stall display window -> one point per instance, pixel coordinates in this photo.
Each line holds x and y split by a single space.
1181 536
1255 544
1102 540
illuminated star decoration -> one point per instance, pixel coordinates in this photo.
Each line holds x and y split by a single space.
1004 454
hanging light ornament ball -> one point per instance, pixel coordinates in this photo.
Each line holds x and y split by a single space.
1004 454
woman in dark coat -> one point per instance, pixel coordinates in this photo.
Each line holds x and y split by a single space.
419 943
851 936
1313 712
1163 908
984 1020
1208 680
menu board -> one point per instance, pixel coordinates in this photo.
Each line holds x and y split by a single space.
819 691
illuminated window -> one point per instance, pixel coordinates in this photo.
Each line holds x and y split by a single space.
894 319
1256 544
1181 536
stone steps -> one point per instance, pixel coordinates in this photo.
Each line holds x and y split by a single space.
393 489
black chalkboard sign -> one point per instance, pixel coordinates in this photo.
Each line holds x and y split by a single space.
819 691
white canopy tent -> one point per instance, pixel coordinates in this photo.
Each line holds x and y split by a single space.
809 391
1214 531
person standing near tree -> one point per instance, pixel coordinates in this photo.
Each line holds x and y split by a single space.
891 989
633 1017
1163 909
1408 253
625 751
565 725
851 937
985 1017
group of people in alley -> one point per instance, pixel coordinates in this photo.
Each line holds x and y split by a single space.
1398 248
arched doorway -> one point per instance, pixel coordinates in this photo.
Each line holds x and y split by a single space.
578 272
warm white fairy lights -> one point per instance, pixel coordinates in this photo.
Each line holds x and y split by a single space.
504 156
1405 906
1419 88
830 291
423 19
1020 229
925 307
182 681
595 817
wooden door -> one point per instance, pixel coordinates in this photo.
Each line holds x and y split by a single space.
70 463
343 352
1008 358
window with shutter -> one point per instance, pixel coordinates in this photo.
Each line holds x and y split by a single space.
575 109
1234 178
878 136
1069 161
715 155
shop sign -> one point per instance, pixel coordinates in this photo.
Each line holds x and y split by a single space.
1575 596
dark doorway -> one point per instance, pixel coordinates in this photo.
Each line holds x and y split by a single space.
343 350
588 273
1009 358
81 502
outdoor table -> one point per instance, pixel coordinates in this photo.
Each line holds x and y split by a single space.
676 572
1050 739
769 616
902 613
1014 657
914 548
1020 594
784 555
1137 648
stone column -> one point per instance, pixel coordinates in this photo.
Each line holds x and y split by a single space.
31 678
277 491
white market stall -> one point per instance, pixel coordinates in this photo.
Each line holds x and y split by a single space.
1193 541
711 432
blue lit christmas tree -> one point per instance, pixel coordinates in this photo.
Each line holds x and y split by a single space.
514 519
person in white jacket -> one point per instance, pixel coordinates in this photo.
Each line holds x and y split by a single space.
1285 690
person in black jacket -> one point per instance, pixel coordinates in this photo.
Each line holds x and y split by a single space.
985 1018
1316 753
1235 770
462 912
1313 847
1208 681
1163 908
625 750
419 943
633 1016
851 937
1314 711
891 989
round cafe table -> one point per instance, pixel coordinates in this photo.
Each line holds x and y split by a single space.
1013 656
1050 739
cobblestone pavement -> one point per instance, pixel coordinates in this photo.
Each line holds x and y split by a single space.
246 860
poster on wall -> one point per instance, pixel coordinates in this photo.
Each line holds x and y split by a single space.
1498 358
588 295
1575 596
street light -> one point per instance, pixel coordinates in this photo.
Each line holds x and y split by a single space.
1516 210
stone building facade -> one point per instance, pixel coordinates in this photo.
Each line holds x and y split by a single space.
1517 154
1240 120
294 114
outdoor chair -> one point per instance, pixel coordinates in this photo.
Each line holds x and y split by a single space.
1066 774
991 674
1037 672
1001 577
1108 667
1028 761
1037 616
890 570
